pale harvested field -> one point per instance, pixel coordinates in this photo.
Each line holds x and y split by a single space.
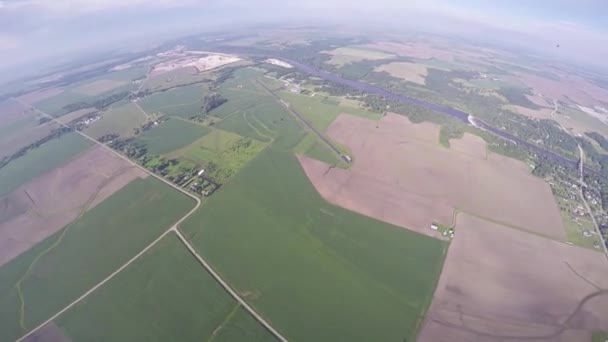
11 111
539 101
410 72
574 89
345 55
46 204
40 95
99 87
543 113
414 50
402 175
500 284
71 116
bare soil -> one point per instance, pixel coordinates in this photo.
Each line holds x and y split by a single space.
411 72
99 87
570 89
46 204
50 332
501 284
402 175
40 95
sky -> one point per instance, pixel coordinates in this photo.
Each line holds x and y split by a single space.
37 30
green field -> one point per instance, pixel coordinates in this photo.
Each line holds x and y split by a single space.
227 151
599 336
317 272
166 295
184 102
40 160
171 135
62 267
321 112
121 120
574 232
313 147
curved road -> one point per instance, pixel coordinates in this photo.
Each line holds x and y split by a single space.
173 228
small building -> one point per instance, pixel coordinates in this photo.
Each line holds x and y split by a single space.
434 226
586 233
200 173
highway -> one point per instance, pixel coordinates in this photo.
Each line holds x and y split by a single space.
173 228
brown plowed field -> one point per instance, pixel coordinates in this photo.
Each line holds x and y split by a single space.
46 204
501 284
402 175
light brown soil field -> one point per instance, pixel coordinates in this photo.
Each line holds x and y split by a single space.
76 115
411 72
575 89
11 143
402 175
471 145
539 101
99 87
46 204
48 333
543 113
415 50
39 95
500 284
11 111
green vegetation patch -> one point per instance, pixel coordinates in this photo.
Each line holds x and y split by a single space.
223 153
40 160
302 262
62 267
121 120
166 295
599 336
575 230
184 102
313 147
171 135
321 112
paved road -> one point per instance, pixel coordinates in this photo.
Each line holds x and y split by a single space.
172 229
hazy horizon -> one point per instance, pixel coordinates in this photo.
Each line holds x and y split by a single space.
34 30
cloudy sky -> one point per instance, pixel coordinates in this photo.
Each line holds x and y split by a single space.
32 30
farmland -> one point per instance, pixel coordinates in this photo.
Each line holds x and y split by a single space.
49 202
39 160
171 135
120 120
164 296
370 279
416 182
184 101
345 55
99 87
513 292
84 252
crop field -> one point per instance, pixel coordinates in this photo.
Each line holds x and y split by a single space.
580 122
311 146
226 151
415 181
493 292
39 95
99 87
184 101
346 55
47 203
302 262
575 229
171 135
75 115
321 112
411 72
43 280
22 133
40 160
120 120
164 296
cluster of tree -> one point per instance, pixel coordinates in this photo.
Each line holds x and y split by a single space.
212 101
140 94
56 133
100 104
108 137
43 120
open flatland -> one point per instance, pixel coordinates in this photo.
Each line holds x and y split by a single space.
414 181
47 203
40 282
164 296
500 284
316 272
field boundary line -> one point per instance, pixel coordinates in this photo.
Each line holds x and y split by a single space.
227 287
173 228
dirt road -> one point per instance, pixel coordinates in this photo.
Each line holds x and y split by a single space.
172 229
